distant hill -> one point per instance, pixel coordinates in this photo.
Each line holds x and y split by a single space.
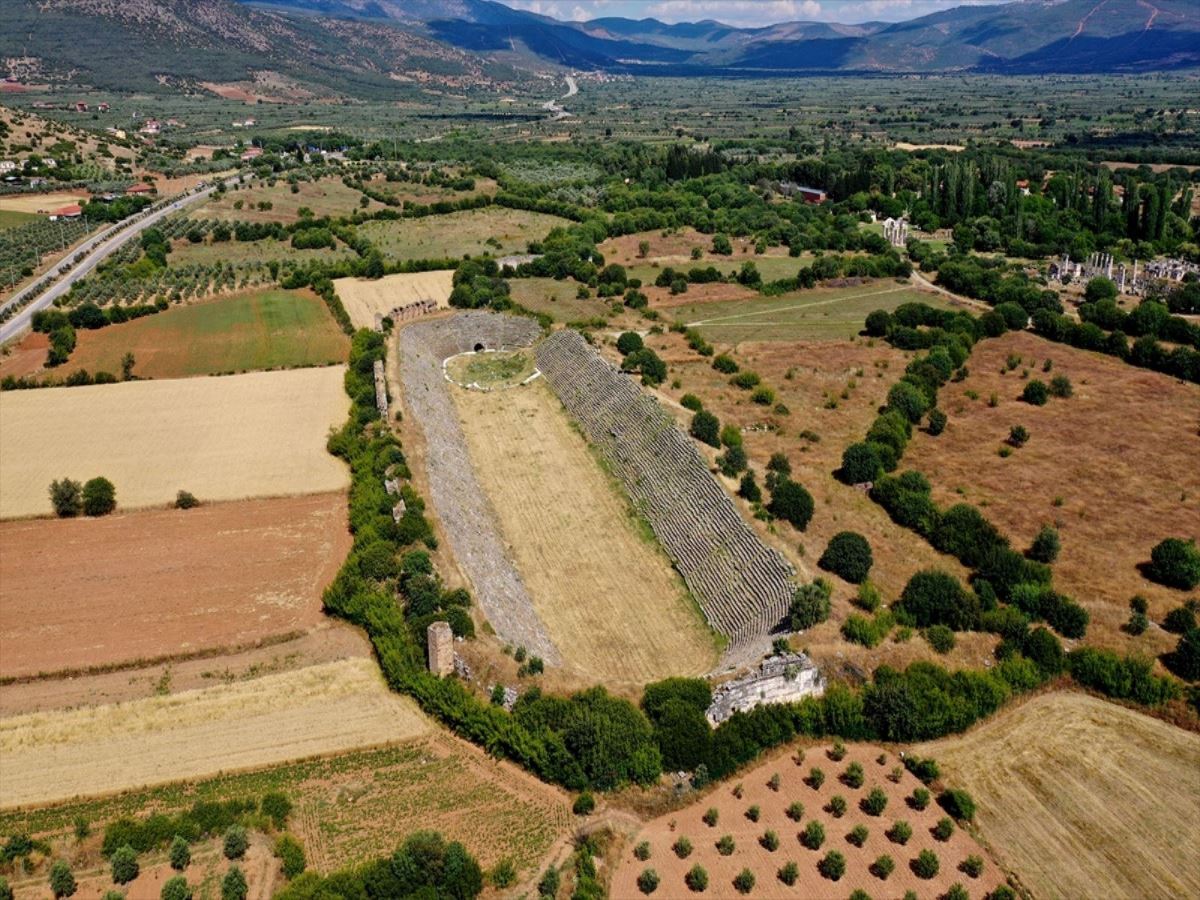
369 48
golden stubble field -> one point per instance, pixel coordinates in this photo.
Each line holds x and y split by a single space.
261 434
363 297
606 591
53 756
1083 798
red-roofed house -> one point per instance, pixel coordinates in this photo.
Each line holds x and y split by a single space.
138 189
252 153
74 211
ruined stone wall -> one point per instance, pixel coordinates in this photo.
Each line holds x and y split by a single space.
743 587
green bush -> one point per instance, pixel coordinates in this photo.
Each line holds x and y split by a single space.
1046 545
926 865
788 873
940 638
832 866
813 835
692 402
99 497
937 422
810 605
875 802
504 874
647 881
186 500
706 428
177 888
725 364
180 853
1035 393
696 879
836 806
848 555
629 342
726 845
900 832
62 879
943 829
278 807
236 842
883 867
233 885
972 865
792 503
957 803
860 463
66 496
124 865
933 597
858 835
584 804
1176 563
1181 619
1185 660
682 848
291 855
743 882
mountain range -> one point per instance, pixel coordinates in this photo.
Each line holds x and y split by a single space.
363 48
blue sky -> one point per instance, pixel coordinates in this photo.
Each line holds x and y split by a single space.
743 12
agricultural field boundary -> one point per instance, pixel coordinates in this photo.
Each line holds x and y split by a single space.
743 587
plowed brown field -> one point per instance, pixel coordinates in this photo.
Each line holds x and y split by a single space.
94 592
663 832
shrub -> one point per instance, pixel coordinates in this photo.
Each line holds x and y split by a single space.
732 461
925 769
1060 386
235 842
710 817
726 846
875 802
66 496
584 804
725 364
1181 619
973 866
933 597
940 638
629 342
837 806
124 865
813 835
6 892
1003 892
792 503
176 888
838 751
1176 563
1137 624
696 879
642 851
816 778
99 497
810 605
745 380
691 402
1035 393
180 854
62 879
900 832
647 882
706 427
958 803
291 855
868 597
753 813
833 866
278 807
909 400
853 776
848 556
1045 546
795 811
937 422
682 848
1185 661
956 892
743 882
769 840
1018 436
186 500
943 829
883 867
788 873
860 463
858 835
926 864
919 798
233 885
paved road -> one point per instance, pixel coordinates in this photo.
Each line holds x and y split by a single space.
98 248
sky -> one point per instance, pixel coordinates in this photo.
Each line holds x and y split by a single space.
748 13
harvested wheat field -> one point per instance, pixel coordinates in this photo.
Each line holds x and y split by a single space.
1083 798
599 581
363 297
41 203
220 575
1113 467
48 757
256 435
751 852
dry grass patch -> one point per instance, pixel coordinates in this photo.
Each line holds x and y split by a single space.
493 229
261 434
327 197
363 298
220 575
606 592
1114 468
48 757
1083 798
41 203
753 787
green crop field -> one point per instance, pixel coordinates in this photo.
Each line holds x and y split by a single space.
494 229
12 219
267 330
817 314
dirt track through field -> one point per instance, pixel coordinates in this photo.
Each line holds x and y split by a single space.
607 593
337 706
261 434
1084 798
219 575
363 298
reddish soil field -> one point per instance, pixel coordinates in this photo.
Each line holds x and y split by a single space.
97 592
663 832
821 371
1121 458
27 357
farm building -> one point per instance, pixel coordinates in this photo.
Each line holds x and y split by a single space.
136 189
72 211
